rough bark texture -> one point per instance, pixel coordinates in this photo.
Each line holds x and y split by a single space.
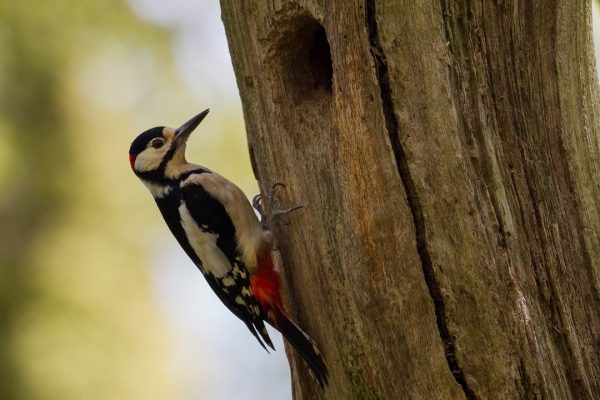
448 157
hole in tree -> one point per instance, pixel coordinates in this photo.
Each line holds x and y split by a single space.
319 58
305 59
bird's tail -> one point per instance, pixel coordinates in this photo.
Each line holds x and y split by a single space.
304 345
266 288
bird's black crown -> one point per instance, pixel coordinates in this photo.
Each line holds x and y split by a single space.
141 142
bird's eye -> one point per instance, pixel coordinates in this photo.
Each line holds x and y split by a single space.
157 143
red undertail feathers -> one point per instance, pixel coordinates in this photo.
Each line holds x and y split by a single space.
266 288
265 285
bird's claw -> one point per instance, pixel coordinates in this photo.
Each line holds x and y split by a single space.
276 214
257 204
273 191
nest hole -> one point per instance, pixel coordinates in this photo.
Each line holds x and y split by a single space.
306 59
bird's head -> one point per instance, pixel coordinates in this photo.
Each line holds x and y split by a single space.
153 151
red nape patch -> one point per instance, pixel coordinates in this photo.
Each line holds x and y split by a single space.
265 284
132 161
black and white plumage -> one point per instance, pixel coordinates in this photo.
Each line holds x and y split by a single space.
215 224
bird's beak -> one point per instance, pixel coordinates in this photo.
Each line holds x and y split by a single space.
184 131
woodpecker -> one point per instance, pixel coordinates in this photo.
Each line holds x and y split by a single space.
215 224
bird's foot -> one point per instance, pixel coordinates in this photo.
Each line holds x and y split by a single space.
258 202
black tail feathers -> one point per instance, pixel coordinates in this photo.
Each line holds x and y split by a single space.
305 346
258 327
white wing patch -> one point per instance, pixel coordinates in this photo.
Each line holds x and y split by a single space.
248 231
205 245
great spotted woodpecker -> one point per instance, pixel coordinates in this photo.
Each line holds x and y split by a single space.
213 221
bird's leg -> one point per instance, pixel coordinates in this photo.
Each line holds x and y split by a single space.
258 204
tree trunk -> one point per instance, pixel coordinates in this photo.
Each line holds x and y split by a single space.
447 154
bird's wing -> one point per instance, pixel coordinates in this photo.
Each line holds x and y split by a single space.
211 234
209 229
249 236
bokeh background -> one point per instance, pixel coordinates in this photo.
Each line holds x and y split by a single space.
97 301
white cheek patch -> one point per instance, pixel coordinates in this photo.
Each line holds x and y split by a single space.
150 159
205 245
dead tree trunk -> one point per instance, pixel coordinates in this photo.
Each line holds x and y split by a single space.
448 157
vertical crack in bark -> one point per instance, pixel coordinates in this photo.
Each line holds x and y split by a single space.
414 203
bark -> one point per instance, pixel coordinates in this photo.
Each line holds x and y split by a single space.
447 154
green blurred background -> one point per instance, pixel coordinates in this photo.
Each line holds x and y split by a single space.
96 299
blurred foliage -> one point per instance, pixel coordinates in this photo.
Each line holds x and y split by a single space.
76 317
